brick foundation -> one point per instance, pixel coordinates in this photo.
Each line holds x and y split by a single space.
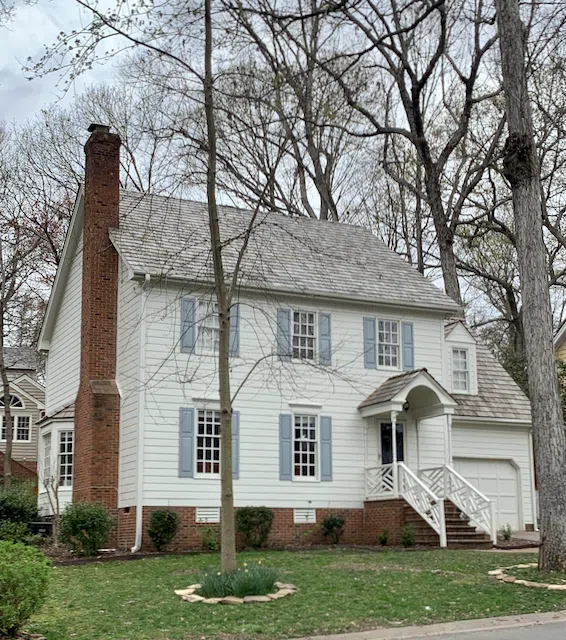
362 526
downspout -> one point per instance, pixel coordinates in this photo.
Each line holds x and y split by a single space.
141 419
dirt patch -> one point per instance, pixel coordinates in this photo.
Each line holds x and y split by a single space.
516 543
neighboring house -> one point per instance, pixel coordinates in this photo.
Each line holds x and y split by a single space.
560 343
336 345
27 403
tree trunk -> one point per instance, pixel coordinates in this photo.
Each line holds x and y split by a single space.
228 531
521 168
8 418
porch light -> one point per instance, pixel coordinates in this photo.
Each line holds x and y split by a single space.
406 405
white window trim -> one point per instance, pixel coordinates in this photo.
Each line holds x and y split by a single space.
15 417
314 359
316 477
19 397
203 474
45 476
399 365
203 316
468 389
59 454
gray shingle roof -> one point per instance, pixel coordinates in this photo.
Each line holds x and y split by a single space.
169 237
25 358
498 394
65 412
390 388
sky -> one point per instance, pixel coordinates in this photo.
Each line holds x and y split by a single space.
33 26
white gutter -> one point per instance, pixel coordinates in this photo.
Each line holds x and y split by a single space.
141 420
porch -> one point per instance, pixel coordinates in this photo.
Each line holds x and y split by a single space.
408 456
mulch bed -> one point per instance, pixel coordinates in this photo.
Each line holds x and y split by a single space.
516 543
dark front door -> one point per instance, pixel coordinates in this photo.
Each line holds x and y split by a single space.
387 443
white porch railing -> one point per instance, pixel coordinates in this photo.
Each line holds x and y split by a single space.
446 482
381 482
423 500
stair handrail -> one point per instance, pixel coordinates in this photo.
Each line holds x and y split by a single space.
426 503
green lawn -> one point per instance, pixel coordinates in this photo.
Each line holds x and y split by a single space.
338 591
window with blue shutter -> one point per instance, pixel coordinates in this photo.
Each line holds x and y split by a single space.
370 355
285 447
235 330
408 346
188 325
325 448
186 443
324 339
284 350
235 444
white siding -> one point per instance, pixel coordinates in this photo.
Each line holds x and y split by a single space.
128 380
499 443
177 380
63 360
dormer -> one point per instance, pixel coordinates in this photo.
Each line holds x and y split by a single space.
460 359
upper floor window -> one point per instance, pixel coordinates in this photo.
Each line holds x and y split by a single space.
305 442
304 335
460 370
21 429
388 343
208 442
66 459
209 327
15 401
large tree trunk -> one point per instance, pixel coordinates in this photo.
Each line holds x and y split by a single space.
8 418
228 532
521 168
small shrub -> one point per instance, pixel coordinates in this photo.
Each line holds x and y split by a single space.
254 523
333 527
18 503
23 585
210 538
248 580
163 527
85 526
506 532
383 537
408 537
17 532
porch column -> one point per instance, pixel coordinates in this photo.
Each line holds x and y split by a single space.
448 439
394 449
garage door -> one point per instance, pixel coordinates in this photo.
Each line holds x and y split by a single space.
498 480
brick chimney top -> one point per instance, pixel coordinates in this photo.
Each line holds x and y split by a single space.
103 128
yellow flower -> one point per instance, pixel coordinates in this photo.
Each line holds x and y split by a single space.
219 573
245 564
259 562
246 571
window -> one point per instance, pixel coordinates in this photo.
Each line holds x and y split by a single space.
21 430
305 447
66 459
304 335
46 473
208 442
388 343
209 328
460 369
14 402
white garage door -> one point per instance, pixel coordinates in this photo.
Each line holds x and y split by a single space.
497 479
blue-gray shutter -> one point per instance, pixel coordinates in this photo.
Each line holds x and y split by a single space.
186 443
324 338
235 330
285 447
284 350
188 326
235 444
370 355
408 346
325 448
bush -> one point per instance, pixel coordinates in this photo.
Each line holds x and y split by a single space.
23 585
18 503
506 532
85 526
408 536
333 527
383 537
255 525
17 532
249 580
210 538
163 527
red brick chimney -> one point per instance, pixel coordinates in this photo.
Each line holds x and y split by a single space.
97 409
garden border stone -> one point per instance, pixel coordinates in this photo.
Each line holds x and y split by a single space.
501 574
283 590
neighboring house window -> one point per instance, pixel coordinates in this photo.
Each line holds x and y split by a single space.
46 456
208 442
21 430
66 459
388 343
15 401
460 374
305 448
209 328
304 335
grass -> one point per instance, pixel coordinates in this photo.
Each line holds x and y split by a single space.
338 591
534 575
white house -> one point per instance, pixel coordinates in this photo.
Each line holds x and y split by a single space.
336 345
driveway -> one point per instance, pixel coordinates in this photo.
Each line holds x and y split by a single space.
548 631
